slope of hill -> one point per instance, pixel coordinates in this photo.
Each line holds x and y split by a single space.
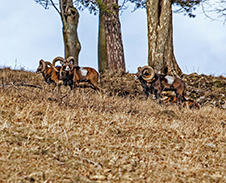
118 136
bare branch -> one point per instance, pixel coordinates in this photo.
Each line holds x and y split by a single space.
55 7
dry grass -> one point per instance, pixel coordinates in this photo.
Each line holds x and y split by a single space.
118 136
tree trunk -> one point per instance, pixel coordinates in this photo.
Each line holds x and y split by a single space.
70 16
102 49
160 37
112 46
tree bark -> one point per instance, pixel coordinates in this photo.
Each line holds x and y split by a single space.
102 49
160 37
112 54
70 16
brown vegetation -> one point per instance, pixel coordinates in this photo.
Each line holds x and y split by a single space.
116 136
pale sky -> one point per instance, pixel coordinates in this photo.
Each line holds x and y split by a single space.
29 33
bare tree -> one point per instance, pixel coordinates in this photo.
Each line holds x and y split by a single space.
69 16
113 37
110 47
160 37
102 48
160 31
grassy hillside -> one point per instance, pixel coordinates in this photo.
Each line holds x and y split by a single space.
118 136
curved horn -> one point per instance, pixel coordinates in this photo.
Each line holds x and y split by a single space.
43 65
71 59
51 65
61 59
139 69
150 72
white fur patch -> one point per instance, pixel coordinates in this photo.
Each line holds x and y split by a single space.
170 79
67 68
83 71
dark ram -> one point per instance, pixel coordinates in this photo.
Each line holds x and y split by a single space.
154 83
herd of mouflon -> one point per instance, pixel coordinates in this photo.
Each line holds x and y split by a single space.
163 88
192 91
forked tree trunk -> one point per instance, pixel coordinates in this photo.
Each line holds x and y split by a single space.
70 16
160 37
111 55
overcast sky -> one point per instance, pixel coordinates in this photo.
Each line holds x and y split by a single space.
29 33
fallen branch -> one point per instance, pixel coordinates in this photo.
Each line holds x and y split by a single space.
25 84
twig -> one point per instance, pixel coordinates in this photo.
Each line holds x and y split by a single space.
88 160
55 7
44 151
10 152
25 84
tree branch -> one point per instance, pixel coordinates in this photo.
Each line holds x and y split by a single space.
55 7
25 84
